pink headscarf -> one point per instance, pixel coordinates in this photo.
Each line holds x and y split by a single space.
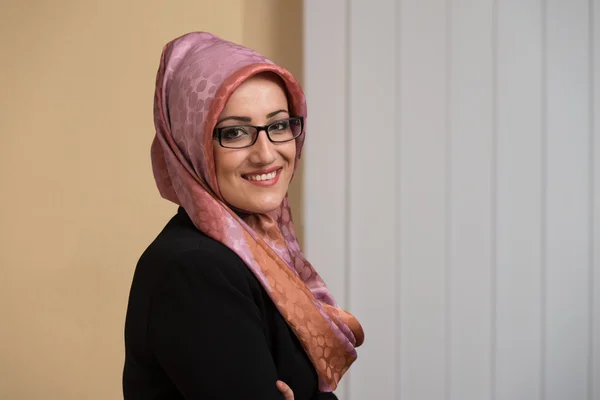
198 73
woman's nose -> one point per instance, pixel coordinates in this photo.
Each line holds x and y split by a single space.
263 151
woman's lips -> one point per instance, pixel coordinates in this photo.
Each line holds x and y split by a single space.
264 179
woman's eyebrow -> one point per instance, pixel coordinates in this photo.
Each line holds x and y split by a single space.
274 113
243 119
248 119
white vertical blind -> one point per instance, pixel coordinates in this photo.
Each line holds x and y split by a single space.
471 204
451 193
519 197
371 152
566 199
325 157
422 176
595 281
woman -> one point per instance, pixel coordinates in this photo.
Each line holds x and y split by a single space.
223 304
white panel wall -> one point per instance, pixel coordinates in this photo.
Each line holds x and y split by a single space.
325 161
471 221
452 193
422 178
566 200
518 194
371 196
595 281
328 73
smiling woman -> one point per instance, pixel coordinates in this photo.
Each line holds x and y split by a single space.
254 170
223 303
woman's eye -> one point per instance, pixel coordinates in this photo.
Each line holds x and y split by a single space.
233 133
280 126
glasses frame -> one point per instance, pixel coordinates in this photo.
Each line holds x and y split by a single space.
217 132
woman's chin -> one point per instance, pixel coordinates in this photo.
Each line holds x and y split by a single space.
265 208
259 207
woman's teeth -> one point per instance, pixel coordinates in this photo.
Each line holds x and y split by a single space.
263 177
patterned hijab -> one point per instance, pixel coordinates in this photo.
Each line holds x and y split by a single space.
197 74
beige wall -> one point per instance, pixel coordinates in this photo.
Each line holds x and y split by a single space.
79 203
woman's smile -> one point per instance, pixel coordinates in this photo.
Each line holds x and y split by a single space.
264 178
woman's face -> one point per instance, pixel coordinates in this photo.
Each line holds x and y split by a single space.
245 176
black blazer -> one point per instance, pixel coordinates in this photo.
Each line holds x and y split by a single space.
200 326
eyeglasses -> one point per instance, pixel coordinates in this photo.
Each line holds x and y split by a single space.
241 136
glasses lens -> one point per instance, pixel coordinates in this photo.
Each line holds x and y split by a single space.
284 130
237 136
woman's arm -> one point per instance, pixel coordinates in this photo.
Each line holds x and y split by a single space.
288 394
207 332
